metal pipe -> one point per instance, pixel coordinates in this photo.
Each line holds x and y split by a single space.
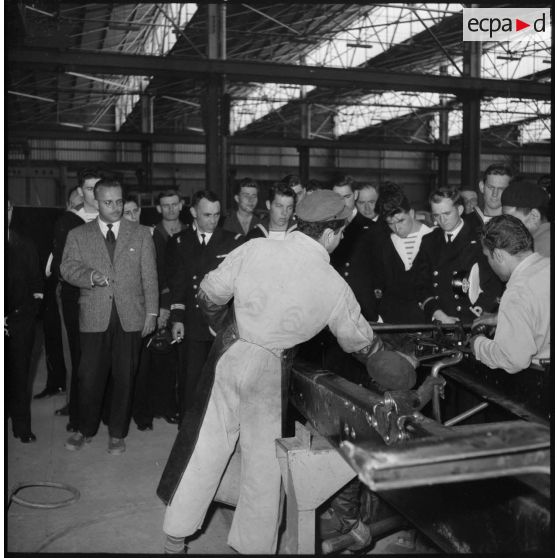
466 414
378 327
444 363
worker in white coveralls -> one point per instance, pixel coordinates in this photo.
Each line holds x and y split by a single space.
284 292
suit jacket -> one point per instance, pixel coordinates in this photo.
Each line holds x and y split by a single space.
438 262
132 275
355 259
187 263
23 275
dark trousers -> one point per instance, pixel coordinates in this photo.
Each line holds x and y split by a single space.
19 346
155 386
70 313
52 327
193 355
113 352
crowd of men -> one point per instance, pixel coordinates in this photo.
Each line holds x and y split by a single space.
193 321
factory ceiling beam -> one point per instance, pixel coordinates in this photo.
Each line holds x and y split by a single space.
19 135
133 64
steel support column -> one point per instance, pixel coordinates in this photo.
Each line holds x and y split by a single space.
305 128
213 105
471 137
304 164
443 156
145 174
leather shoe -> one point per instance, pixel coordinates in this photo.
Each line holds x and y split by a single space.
27 438
76 441
116 446
63 411
142 427
47 392
71 427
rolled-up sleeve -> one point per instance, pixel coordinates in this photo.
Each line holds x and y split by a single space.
514 345
347 323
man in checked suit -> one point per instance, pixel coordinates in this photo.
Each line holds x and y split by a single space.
112 261
191 254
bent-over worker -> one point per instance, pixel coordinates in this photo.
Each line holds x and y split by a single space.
284 292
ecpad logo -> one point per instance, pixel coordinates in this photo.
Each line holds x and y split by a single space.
506 24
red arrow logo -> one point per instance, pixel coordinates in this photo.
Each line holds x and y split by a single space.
519 25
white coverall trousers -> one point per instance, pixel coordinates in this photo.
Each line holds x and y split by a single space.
245 399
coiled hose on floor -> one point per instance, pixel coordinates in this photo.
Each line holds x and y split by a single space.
75 495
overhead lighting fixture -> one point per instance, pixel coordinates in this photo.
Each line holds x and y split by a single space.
184 101
83 127
100 80
360 45
508 58
70 125
31 9
46 99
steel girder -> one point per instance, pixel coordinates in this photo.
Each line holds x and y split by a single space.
196 139
133 64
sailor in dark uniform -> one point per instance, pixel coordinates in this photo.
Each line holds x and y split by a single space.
190 255
454 281
354 257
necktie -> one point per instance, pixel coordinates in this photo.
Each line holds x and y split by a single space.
110 235
448 237
203 242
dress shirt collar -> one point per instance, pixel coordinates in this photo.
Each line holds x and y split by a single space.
207 236
455 231
104 228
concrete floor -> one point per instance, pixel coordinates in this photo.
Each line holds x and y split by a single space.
118 510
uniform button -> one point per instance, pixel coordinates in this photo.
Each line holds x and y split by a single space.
456 297
347 264
346 274
458 308
436 297
454 272
435 285
197 306
194 277
195 286
435 273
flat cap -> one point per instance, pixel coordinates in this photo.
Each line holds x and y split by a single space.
523 194
321 206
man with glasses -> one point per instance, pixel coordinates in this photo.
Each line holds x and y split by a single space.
112 261
243 220
84 211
